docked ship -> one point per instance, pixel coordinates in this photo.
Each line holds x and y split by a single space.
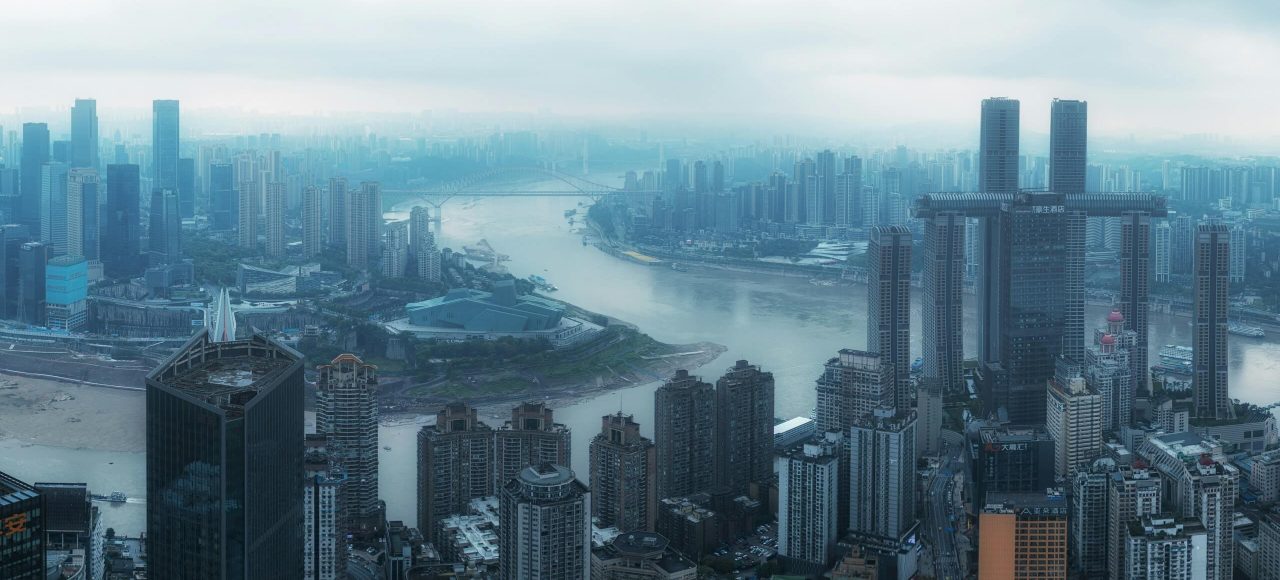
1241 329
542 283
1174 360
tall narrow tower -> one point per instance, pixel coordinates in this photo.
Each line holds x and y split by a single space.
684 431
998 147
347 413
744 428
622 471
1209 361
164 145
889 306
1068 145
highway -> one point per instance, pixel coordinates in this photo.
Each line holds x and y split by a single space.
941 505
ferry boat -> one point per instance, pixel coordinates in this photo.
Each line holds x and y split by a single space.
542 283
1242 329
115 497
1176 352
677 266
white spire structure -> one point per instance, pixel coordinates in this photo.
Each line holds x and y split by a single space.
224 320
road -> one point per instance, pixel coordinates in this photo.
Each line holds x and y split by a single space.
941 505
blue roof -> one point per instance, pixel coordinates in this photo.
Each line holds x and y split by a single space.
477 311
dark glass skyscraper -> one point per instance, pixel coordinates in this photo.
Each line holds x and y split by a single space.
121 226
35 153
164 145
22 537
1068 147
889 306
12 236
224 200
32 259
165 233
998 147
186 187
225 461
84 134
1209 360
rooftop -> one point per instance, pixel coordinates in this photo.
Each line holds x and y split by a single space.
13 490
224 374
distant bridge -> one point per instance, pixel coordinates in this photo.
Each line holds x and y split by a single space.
483 184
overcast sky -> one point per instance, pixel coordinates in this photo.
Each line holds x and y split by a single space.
1153 69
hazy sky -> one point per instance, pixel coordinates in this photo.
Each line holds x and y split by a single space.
1153 68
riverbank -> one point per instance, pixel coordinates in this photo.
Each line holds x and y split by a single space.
62 414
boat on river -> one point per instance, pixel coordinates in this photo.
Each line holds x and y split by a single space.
1241 329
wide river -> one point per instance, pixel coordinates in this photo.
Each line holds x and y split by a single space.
784 324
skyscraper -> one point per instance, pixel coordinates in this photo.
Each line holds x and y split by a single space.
224 200
84 134
684 431
622 475
186 188
1135 287
744 428
1074 421
338 212
1068 145
942 314
347 413
889 307
165 234
323 540
852 385
1131 494
32 259
1107 369
998 146
311 233
1088 518
12 236
22 530
35 153
425 257
164 145
82 203
247 202
455 465
1160 248
531 437
808 500
364 225
53 207
275 219
1212 286
882 460
224 461
544 528
122 225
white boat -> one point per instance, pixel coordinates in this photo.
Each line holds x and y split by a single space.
1242 329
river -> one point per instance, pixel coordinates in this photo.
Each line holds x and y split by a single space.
784 324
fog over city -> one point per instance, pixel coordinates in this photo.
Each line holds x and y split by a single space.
872 71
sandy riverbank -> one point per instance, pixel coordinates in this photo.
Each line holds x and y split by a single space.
59 414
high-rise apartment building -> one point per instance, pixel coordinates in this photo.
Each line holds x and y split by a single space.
889 307
1107 369
1200 484
323 537
852 385
338 212
275 202
531 437
347 413
1068 145
684 432
1162 547
82 203
224 461
998 146
53 207
395 249
35 154
942 314
424 255
364 225
122 224
1074 421
1088 519
247 202
455 465
84 134
186 189
1212 295
1160 251
1023 536
622 475
882 461
164 145
544 528
224 198
311 234
1131 494
1238 247
1135 282
744 428
809 499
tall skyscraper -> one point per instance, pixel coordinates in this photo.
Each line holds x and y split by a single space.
684 432
852 385
324 552
122 225
33 257
882 460
275 219
82 203
531 437
622 475
1212 293
1160 251
165 234
998 146
338 212
826 195
1024 536
311 233
224 461
35 153
84 134
164 145
1068 145
1074 421
247 202
364 225
186 188
808 500
224 200
1107 370
22 530
347 413
942 314
66 290
1135 287
12 236
1088 518
425 257
53 207
744 428
455 465
889 307
544 528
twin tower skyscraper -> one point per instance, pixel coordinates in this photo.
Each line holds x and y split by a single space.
1031 264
